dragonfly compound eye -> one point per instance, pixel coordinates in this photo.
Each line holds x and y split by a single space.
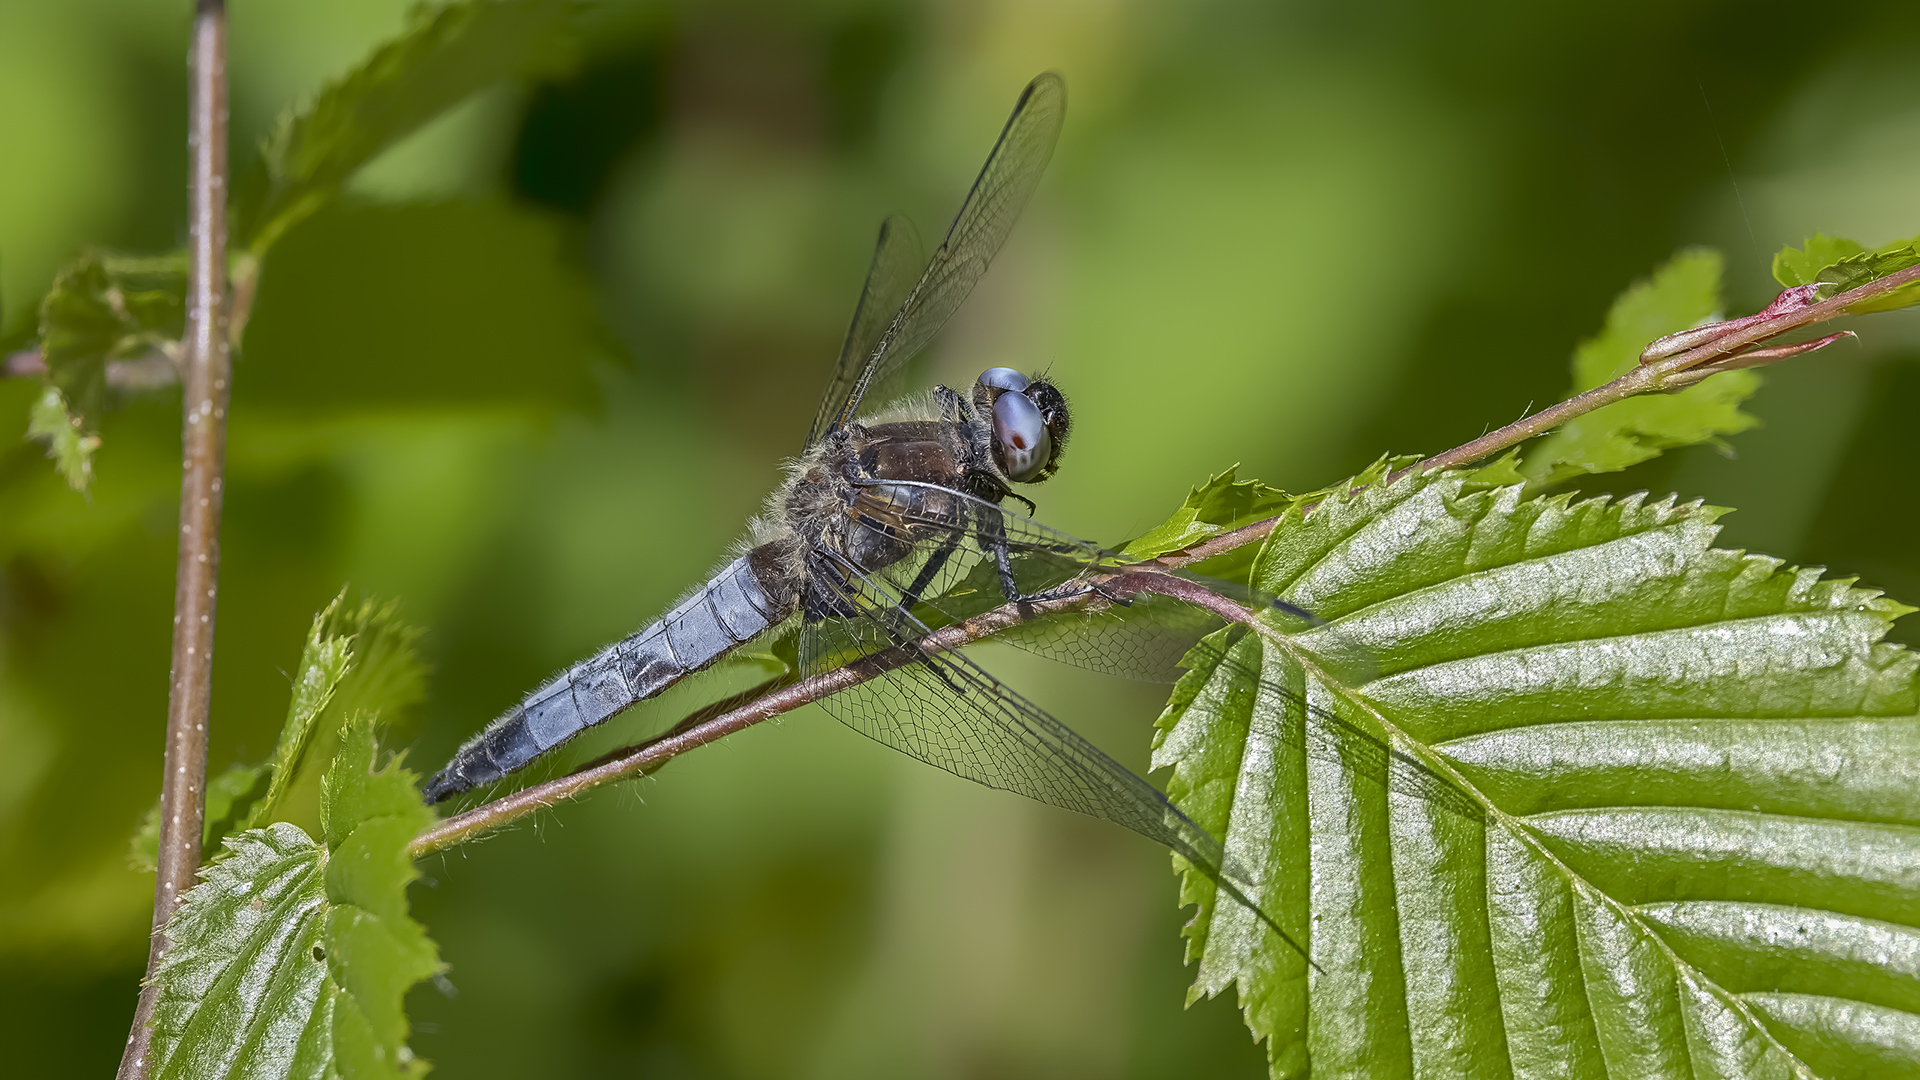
1020 437
1003 378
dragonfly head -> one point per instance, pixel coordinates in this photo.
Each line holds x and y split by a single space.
1030 423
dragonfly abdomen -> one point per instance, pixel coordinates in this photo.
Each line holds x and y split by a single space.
727 612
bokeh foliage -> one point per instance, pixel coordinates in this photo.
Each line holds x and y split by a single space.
1393 225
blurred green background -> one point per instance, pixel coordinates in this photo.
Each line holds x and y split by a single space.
535 374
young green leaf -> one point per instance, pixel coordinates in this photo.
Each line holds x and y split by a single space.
102 308
1683 293
356 658
323 663
105 307
1222 504
1499 472
375 952
1646 809
246 977
1840 264
291 957
70 447
445 54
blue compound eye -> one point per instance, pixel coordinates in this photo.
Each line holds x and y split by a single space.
1004 378
1020 437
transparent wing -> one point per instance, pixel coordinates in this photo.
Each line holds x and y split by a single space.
896 261
1136 635
945 710
999 193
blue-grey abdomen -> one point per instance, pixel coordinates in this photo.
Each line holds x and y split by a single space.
730 610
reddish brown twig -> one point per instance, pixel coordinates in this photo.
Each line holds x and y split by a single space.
205 374
1659 374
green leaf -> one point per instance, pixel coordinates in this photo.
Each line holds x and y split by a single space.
1840 264
67 443
292 958
445 54
102 308
247 972
1222 504
323 663
375 951
356 658
1649 809
230 796
1499 472
1682 294
1800 266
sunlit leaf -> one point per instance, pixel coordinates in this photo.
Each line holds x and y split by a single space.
356 658
323 663
291 957
247 973
1841 264
1222 504
1682 294
445 54
1669 830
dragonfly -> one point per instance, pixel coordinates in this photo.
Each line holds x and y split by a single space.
891 525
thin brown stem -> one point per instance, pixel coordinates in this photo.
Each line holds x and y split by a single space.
1220 545
1668 373
205 375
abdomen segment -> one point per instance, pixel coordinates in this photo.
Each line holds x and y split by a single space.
728 611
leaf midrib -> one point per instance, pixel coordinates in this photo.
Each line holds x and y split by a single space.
1515 827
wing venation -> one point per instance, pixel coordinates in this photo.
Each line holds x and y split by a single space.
877 346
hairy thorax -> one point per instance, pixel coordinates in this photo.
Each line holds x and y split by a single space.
837 497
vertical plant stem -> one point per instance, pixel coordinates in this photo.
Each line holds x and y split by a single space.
206 367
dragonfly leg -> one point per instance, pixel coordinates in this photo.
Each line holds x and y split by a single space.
843 603
935 563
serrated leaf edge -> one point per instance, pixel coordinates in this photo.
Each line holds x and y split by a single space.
1371 483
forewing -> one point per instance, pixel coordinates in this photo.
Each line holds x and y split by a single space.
943 709
896 261
1150 637
993 204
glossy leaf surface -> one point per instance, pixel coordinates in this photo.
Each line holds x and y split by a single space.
1686 841
291 958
